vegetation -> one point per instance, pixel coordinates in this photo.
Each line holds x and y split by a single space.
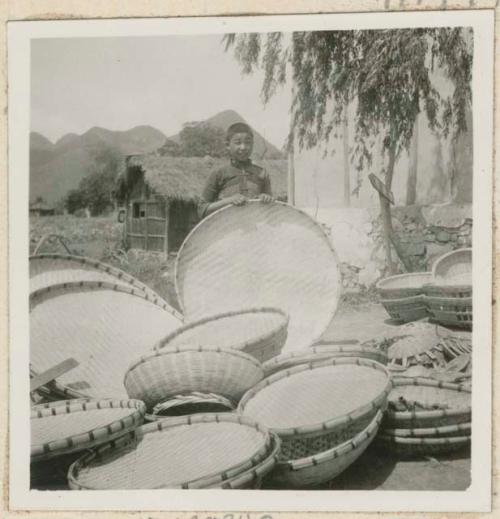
388 76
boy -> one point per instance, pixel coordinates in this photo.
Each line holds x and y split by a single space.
240 179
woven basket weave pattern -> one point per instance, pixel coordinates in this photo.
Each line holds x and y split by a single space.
265 255
406 309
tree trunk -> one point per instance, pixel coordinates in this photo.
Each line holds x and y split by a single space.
347 177
411 185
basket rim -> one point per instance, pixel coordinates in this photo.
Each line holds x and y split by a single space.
444 257
73 286
404 300
313 350
143 359
439 413
450 300
160 426
83 440
357 413
322 231
200 322
380 283
424 441
426 431
109 269
364 436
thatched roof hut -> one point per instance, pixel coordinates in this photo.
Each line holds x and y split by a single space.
161 194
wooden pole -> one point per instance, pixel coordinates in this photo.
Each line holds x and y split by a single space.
411 185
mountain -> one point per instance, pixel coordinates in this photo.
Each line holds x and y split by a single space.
57 168
224 119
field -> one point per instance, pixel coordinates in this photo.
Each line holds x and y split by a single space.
101 238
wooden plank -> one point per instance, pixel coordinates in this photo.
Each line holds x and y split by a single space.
51 374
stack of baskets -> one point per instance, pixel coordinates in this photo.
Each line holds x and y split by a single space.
449 298
425 418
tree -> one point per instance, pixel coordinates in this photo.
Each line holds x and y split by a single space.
198 139
386 74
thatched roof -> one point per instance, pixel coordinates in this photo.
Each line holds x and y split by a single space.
185 177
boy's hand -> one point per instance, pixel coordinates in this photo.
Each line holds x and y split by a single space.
265 198
237 200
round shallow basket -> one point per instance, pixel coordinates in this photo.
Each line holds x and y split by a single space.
417 447
322 352
252 478
260 332
314 470
103 327
461 429
53 269
454 399
453 268
451 311
403 285
316 406
264 255
60 428
192 452
406 309
193 403
157 376
450 291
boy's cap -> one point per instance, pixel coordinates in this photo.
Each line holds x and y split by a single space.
238 128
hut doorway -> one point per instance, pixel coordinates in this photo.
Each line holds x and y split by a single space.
183 216
147 225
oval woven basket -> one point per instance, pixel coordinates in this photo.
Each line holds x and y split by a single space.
322 352
407 309
461 429
455 398
332 401
103 327
325 466
417 447
53 269
260 332
453 268
269 255
457 291
403 285
60 428
165 373
451 311
192 452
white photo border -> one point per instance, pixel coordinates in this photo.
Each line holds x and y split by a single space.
476 498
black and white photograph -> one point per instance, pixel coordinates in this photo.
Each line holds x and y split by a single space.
251 255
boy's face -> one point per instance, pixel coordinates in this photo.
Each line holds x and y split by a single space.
240 146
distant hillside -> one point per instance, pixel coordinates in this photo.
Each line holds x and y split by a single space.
262 148
57 168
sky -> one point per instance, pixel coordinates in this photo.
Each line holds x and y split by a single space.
164 81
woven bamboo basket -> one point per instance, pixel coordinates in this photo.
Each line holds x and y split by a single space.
453 268
450 291
193 452
193 403
322 352
69 426
450 311
406 309
53 269
403 285
456 399
332 401
103 327
260 332
417 447
264 255
322 467
165 373
460 429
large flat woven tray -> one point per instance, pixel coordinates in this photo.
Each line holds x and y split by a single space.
260 332
316 406
158 376
61 428
324 466
460 429
269 255
103 326
419 447
54 269
192 452
456 398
